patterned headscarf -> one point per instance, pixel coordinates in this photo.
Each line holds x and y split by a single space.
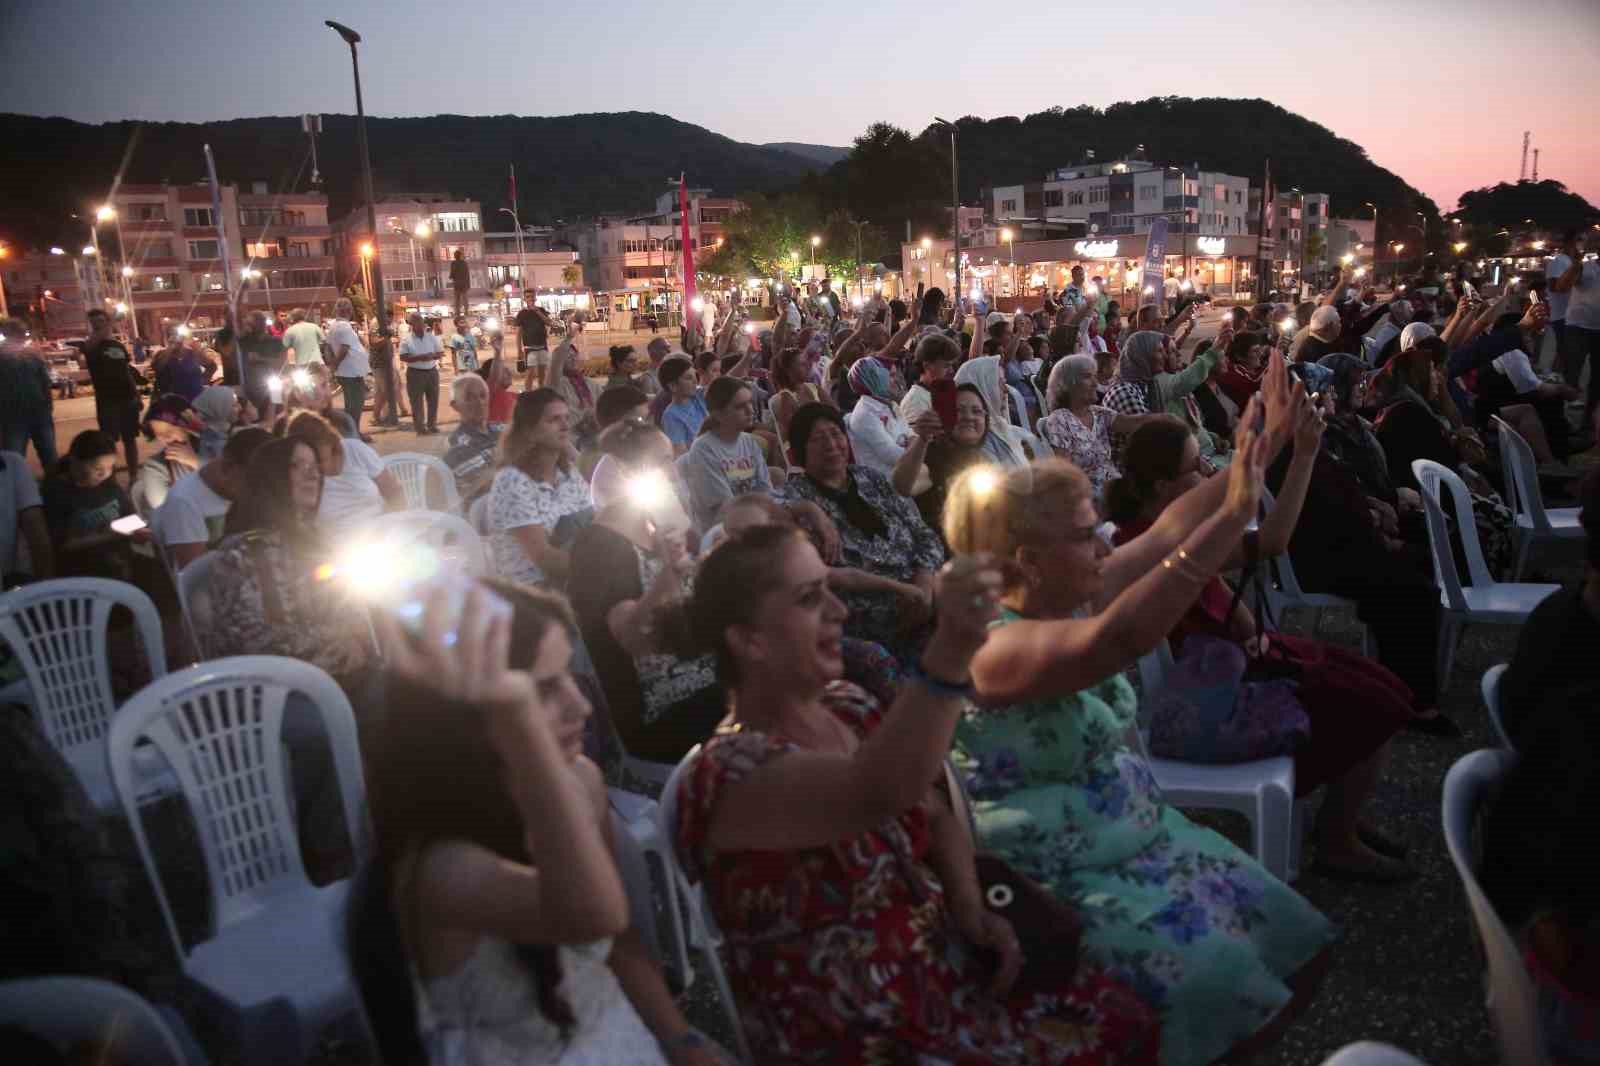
868 377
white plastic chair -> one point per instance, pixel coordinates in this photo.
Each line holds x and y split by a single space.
478 515
703 931
1371 1053
1262 790
411 469
657 915
1533 524
449 535
194 596
1512 1002
1491 700
273 935
71 1011
1482 599
1284 591
57 630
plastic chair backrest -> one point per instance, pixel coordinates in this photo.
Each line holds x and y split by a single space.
194 592
411 469
1371 1053
1153 667
635 870
1430 476
478 515
669 809
57 630
449 535
117 1023
1513 1004
1491 701
1282 566
218 725
1522 476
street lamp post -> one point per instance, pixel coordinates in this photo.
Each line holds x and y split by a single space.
955 202
1009 237
815 240
352 38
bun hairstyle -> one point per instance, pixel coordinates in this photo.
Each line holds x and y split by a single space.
722 591
1025 506
1154 452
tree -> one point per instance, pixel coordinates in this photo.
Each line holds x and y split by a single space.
1509 205
571 275
359 302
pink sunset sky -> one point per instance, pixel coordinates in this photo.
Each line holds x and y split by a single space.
1438 92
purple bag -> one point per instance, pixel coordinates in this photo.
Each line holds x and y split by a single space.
1208 711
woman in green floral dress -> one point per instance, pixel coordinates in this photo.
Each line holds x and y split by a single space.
1061 789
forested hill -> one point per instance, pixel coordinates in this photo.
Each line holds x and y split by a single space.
1232 136
566 167
576 165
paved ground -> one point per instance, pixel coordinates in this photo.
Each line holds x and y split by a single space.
1407 970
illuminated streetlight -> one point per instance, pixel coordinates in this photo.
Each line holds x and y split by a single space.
122 308
57 250
366 250
927 242
106 213
88 249
127 271
1459 247
423 231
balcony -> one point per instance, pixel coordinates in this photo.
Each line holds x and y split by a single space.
282 229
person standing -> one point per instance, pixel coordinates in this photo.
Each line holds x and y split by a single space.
420 353
263 358
464 348
116 386
351 363
303 339
26 403
533 328
1580 284
460 282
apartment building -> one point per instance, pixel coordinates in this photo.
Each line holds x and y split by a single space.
643 252
1122 198
172 272
418 236
540 265
53 290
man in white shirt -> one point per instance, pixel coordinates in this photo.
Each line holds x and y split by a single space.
1580 284
351 363
420 353
191 518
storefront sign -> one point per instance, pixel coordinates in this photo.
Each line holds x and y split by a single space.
1096 249
1155 258
1210 245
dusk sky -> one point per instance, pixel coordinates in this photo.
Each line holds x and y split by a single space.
1438 92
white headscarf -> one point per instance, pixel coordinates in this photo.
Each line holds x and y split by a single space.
986 374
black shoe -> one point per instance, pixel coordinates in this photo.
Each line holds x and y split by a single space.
1436 726
1388 847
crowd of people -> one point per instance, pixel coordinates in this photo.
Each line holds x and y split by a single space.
855 572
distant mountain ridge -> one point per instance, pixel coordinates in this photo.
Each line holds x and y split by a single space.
567 166
825 154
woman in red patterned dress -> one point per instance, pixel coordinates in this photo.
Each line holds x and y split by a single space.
844 883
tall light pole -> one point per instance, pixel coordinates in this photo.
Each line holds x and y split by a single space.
522 265
352 38
1009 237
815 240
107 213
955 202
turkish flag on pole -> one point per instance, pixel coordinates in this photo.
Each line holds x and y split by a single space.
688 256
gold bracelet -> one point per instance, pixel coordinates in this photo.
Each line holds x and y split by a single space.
1180 563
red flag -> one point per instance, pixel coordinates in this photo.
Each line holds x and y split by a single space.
688 256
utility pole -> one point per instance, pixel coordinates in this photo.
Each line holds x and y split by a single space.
955 204
352 38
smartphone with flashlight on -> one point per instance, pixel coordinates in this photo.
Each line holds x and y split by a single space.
453 586
128 525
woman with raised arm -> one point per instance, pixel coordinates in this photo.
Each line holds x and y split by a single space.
1063 792
844 884
491 927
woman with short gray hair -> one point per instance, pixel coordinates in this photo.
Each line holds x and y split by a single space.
1077 427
